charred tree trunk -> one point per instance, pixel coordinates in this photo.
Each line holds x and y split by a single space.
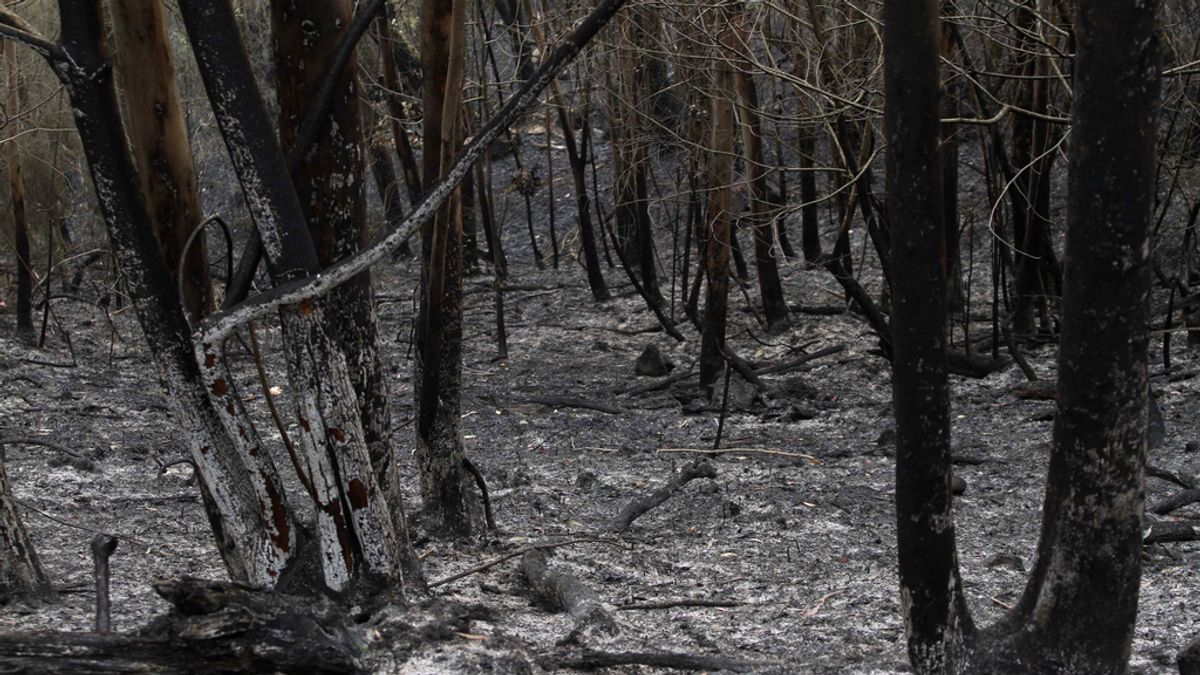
446 487
1079 606
21 573
362 537
329 183
146 69
716 247
243 497
936 619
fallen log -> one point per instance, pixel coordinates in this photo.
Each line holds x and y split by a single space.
633 510
567 592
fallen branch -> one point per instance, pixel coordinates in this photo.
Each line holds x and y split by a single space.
513 554
1170 530
796 363
699 469
81 462
755 451
568 593
681 602
1183 481
572 402
591 659
660 384
1176 501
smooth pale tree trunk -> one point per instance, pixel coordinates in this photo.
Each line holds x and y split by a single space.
446 489
146 70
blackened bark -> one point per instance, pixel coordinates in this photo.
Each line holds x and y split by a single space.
810 233
362 536
251 521
775 308
329 182
937 624
716 243
446 488
20 215
1079 606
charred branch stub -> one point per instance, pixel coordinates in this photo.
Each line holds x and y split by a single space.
102 549
568 592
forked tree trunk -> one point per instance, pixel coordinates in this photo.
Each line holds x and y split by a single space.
16 186
362 539
446 490
936 620
145 67
21 573
243 498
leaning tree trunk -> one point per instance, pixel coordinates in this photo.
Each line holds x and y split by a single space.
243 497
1078 609
145 67
21 573
936 620
16 186
445 484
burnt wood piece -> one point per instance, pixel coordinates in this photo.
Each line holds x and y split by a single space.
633 510
566 591
591 659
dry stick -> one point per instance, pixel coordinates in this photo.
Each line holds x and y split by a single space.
103 546
25 505
755 451
701 468
1176 501
572 402
26 440
660 384
796 363
568 592
519 552
592 659
305 478
724 410
666 323
682 602
489 517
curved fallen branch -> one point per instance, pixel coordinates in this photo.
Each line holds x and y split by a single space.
701 468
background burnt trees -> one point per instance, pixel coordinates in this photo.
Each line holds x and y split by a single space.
16 187
1078 609
146 70
446 490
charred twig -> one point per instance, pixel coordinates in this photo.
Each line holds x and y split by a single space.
701 468
27 440
545 546
682 602
103 546
591 659
567 592
483 492
796 363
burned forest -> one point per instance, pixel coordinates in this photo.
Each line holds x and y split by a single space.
621 336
